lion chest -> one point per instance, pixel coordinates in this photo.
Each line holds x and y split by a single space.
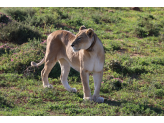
93 65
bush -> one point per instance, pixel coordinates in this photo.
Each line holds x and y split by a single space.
19 13
134 109
26 15
4 103
158 85
147 27
115 65
159 93
76 21
73 111
113 84
98 18
18 33
47 19
115 45
61 12
17 59
130 66
126 65
4 19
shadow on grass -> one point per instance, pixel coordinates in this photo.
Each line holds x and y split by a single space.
79 95
157 110
113 103
132 107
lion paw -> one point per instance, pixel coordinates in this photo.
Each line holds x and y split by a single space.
88 98
73 90
98 99
48 86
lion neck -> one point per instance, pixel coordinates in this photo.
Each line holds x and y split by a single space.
90 49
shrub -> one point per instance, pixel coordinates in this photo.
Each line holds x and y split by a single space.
159 93
126 65
113 84
158 60
115 65
4 19
115 45
18 33
47 19
76 21
4 103
73 111
133 109
19 13
158 85
47 94
60 11
98 18
130 66
147 27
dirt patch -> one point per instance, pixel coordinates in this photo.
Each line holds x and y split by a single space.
1 71
110 11
136 55
120 40
135 8
22 99
108 30
122 51
30 91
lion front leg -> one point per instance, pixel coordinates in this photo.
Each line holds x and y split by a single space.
85 81
97 76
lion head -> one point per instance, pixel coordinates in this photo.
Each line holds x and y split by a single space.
83 39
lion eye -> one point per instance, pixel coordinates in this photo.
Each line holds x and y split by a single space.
78 38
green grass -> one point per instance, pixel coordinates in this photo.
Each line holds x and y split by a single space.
133 79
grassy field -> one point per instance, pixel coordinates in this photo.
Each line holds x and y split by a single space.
133 79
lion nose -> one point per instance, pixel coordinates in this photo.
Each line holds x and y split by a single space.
72 45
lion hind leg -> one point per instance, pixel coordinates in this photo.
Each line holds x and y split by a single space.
65 68
45 72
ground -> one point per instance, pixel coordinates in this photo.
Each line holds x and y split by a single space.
133 82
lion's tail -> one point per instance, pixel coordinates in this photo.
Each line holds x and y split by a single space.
38 64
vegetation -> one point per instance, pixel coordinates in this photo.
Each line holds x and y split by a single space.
133 79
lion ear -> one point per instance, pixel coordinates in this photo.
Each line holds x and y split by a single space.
90 32
82 27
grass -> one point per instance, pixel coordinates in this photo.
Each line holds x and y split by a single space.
133 81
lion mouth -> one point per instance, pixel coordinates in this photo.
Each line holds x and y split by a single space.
75 50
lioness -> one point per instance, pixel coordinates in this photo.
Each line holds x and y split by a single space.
84 52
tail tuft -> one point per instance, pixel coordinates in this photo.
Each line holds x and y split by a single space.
33 64
37 64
